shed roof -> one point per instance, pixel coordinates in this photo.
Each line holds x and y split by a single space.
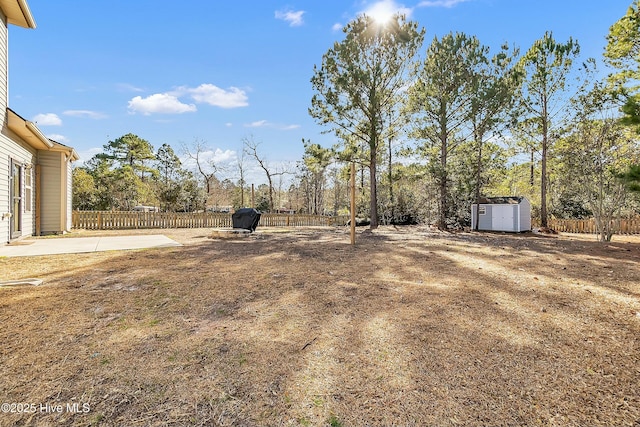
506 200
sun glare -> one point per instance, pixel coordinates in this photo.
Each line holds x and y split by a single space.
381 13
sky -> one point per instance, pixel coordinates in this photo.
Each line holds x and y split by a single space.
216 72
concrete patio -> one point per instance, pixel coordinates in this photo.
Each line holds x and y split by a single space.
54 246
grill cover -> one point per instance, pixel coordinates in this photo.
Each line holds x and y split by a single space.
246 218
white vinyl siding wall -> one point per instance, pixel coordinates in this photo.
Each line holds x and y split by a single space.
11 150
52 205
69 199
4 63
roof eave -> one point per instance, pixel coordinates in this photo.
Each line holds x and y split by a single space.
28 131
18 13
74 155
71 153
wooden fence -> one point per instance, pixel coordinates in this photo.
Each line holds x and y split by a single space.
116 220
588 226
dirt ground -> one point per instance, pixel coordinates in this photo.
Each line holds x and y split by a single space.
411 327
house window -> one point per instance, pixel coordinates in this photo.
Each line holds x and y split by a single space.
16 186
482 210
27 188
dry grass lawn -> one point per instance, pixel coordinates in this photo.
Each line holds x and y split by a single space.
411 327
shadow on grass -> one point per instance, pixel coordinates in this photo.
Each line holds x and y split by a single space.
302 329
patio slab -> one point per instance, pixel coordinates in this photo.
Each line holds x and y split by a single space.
54 246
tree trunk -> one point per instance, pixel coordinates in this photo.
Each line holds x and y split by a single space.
544 222
478 177
442 219
373 204
543 185
270 192
391 202
532 180
444 147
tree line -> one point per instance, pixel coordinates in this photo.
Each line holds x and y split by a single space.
464 122
430 132
130 173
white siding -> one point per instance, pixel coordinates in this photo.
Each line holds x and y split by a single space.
525 216
52 175
21 153
4 63
503 217
69 199
8 148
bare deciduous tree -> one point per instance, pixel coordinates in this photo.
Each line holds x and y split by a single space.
251 149
206 166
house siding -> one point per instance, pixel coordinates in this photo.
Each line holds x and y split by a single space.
21 153
52 207
4 63
69 199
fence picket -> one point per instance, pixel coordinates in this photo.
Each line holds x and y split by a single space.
114 220
588 226
118 220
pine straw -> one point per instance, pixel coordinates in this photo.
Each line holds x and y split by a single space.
411 327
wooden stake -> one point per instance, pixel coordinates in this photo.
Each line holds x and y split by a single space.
253 197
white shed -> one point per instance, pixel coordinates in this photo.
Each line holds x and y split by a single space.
512 214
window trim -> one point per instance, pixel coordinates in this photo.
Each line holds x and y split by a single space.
28 188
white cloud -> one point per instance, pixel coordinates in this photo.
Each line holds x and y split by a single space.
258 124
293 18
47 119
217 156
440 3
223 159
213 95
337 27
223 156
87 155
268 124
85 114
159 103
126 87
385 9
58 138
169 102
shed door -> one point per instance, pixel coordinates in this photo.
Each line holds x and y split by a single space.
503 218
